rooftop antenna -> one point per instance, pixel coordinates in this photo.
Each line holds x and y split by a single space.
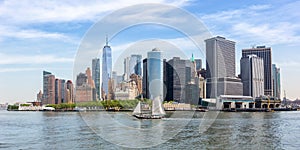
253 45
106 40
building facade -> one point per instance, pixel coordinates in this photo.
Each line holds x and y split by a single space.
178 74
69 92
48 88
220 65
126 69
106 70
276 81
145 79
136 65
155 74
96 76
85 88
264 53
252 75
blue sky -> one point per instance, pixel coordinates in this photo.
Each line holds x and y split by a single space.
45 35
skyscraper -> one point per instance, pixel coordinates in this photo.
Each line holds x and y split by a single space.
58 94
276 81
85 88
198 64
252 74
126 69
96 76
220 65
178 74
145 79
59 91
155 73
136 64
264 53
220 57
48 88
106 69
132 65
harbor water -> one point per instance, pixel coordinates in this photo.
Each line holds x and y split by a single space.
119 130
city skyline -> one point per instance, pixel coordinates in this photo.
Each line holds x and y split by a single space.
34 46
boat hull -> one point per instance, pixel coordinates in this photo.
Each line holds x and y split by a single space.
144 116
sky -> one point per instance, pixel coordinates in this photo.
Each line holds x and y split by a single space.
45 35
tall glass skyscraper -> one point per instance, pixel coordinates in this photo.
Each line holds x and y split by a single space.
96 76
155 73
106 67
136 65
276 81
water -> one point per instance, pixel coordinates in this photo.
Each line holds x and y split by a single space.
101 130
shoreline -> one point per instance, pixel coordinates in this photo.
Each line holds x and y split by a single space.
207 110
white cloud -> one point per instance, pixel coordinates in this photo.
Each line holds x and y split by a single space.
269 34
28 11
28 34
18 16
34 59
257 24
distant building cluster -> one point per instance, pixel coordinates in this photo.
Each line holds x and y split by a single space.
55 91
179 80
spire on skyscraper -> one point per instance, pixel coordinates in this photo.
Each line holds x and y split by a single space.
106 40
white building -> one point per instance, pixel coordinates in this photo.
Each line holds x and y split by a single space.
252 74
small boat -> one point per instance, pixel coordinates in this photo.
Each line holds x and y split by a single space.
142 110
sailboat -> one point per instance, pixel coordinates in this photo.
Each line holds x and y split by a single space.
156 112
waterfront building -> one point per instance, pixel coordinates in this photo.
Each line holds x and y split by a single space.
177 106
85 88
58 94
96 76
69 92
135 65
132 65
178 74
264 53
155 73
126 69
106 70
59 91
91 83
220 65
48 88
129 89
145 79
252 75
276 81
192 93
228 102
267 102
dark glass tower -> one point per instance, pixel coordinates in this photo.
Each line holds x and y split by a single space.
264 53
96 75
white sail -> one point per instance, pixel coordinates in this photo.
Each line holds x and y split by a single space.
157 107
137 109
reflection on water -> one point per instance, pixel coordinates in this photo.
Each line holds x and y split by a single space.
101 130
